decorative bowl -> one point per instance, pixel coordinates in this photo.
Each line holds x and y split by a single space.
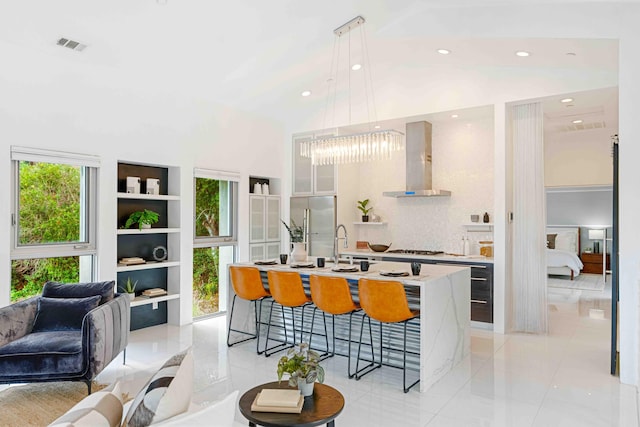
378 247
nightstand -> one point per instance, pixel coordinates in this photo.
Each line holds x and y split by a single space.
593 263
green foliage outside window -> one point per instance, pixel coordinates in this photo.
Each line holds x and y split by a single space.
206 260
49 213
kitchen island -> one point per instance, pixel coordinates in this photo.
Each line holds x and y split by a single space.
441 293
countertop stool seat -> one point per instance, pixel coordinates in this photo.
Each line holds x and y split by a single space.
287 290
247 284
332 296
386 302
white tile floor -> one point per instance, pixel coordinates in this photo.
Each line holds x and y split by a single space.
561 379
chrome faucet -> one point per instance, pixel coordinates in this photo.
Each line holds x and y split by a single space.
335 244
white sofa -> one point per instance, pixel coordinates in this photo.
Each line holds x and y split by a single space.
165 400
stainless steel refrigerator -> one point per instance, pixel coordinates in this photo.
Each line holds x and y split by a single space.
317 216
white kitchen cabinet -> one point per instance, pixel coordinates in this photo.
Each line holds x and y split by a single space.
264 227
257 210
307 178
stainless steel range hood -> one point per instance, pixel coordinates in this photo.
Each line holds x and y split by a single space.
418 161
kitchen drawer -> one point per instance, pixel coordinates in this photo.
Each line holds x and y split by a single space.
481 311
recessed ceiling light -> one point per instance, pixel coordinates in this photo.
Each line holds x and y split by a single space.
454 116
577 122
376 127
443 51
522 53
306 93
356 67
565 100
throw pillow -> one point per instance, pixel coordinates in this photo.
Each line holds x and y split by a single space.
63 314
80 290
166 394
551 241
101 408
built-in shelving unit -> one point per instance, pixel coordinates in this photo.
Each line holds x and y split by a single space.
369 223
134 242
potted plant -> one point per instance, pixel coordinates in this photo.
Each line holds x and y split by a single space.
362 205
296 234
303 366
144 219
130 288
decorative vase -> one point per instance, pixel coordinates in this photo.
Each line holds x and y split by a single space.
365 218
145 226
306 389
299 253
132 296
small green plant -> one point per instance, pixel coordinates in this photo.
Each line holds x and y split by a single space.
129 286
302 364
362 205
296 233
142 217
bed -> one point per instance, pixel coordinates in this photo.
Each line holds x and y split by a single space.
563 248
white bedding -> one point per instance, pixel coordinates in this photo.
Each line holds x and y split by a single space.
560 258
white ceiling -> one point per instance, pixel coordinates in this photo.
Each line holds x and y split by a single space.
259 55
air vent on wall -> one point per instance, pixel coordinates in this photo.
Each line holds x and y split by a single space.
71 44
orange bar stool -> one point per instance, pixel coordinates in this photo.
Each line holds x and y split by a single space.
332 296
287 290
247 284
386 302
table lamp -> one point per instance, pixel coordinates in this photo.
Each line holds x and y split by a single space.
596 235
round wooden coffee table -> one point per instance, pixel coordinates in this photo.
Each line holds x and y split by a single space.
322 407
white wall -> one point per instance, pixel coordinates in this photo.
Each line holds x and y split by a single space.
462 155
578 158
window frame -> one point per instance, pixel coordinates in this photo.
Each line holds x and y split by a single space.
88 207
212 241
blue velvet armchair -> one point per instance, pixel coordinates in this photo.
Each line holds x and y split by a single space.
69 333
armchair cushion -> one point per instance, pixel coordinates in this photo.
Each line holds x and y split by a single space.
43 355
63 314
72 290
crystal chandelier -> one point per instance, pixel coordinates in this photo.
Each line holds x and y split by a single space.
356 147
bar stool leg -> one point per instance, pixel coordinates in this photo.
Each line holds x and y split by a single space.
404 362
279 347
371 366
326 354
251 336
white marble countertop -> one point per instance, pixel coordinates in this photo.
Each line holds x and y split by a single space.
428 272
442 257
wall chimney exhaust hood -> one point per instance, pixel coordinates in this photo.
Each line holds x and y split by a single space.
418 161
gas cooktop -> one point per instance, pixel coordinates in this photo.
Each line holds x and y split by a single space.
414 252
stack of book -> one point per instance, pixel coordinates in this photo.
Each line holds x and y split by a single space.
153 292
132 261
278 400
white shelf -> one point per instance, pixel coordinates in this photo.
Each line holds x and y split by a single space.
139 196
369 223
478 226
147 266
138 301
147 231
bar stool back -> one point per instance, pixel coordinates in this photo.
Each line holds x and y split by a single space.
247 284
287 290
332 296
386 302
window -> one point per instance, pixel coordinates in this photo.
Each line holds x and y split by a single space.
215 241
53 217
